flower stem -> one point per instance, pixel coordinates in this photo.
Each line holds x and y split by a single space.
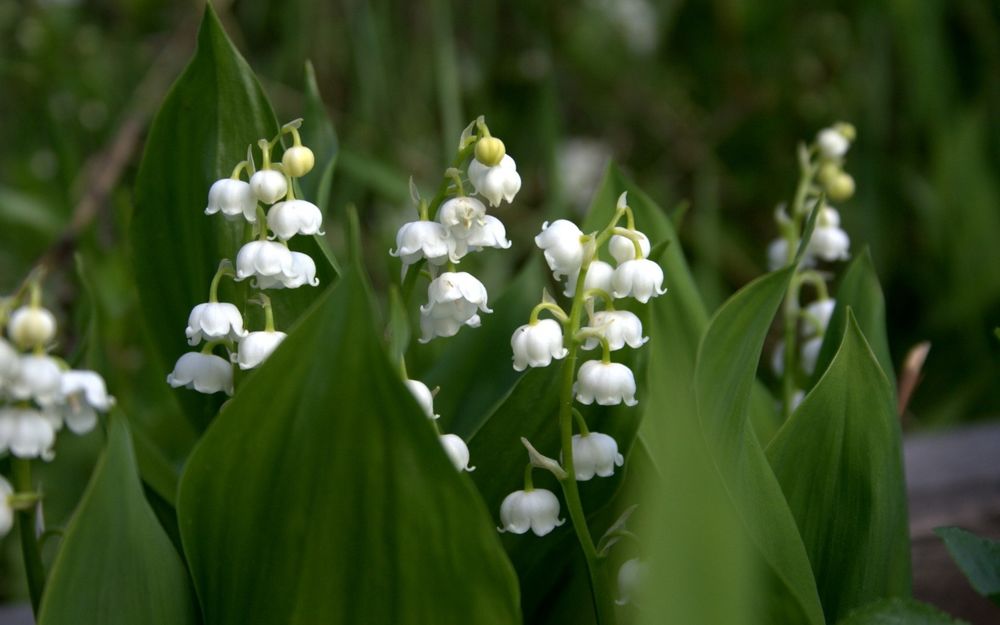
26 520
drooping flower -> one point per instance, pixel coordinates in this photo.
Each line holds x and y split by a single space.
830 243
809 354
630 577
453 299
256 347
424 397
595 454
832 143
599 276
291 217
618 327
640 278
84 395
536 509
303 272
268 185
490 233
461 216
233 198
31 326
10 363
457 450
535 345
205 373
622 248
39 378
607 383
263 259
421 239
27 433
820 313
497 183
560 242
214 321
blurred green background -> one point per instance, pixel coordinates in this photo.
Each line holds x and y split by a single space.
698 101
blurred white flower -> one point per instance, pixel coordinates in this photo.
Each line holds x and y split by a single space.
777 254
536 509
501 182
832 143
205 373
778 358
84 395
214 321
291 217
830 243
820 311
608 384
595 454
39 378
580 163
457 450
630 577
422 239
535 345
256 347
424 397
268 185
560 241
622 248
619 327
31 326
28 433
6 511
233 198
809 354
10 364
453 299
641 279
599 275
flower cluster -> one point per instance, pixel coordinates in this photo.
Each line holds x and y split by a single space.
265 207
572 256
39 393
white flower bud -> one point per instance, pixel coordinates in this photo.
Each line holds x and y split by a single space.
205 373
263 259
298 161
536 509
233 198
832 144
27 433
422 239
809 354
618 327
599 276
490 233
830 243
214 321
641 279
31 326
39 378
820 311
595 454
453 299
256 347
535 345
291 217
85 394
457 450
630 577
560 241
269 185
6 511
622 248
841 187
501 182
424 397
608 384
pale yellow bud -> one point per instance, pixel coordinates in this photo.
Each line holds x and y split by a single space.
298 161
827 173
848 131
841 187
490 151
31 326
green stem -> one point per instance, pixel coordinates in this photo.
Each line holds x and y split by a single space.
553 308
26 520
225 269
262 222
581 423
529 484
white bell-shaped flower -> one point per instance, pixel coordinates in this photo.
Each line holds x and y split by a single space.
777 254
560 242
205 373
30 326
641 279
490 233
536 510
303 272
232 198
622 248
6 511
457 451
84 395
618 327
630 577
607 383
28 433
832 143
39 378
10 364
820 312
422 239
269 185
830 243
263 259
461 216
424 397
595 454
778 358
291 217
453 299
599 275
498 183
536 344
809 354
214 321
256 347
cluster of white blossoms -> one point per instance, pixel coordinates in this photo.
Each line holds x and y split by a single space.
266 207
591 282
39 393
449 227
815 320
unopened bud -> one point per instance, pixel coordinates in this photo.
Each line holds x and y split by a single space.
841 187
827 173
846 130
31 326
490 151
298 161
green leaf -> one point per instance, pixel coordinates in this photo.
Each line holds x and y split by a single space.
202 130
839 462
348 510
320 136
979 559
116 564
724 379
899 612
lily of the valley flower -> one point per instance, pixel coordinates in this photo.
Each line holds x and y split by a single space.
422 239
497 183
832 143
819 313
84 395
809 354
214 321
268 185
618 327
829 242
303 272
453 299
461 216
536 344
640 278
31 326
490 233
536 510
28 433
233 198
10 363
607 383
622 248
595 454
298 161
39 378
6 511
263 259
205 373
256 347
599 276
560 242
457 450
630 577
291 217
424 397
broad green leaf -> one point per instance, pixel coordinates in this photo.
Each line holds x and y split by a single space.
839 461
860 290
116 565
213 112
979 559
899 612
321 494
724 379
320 136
